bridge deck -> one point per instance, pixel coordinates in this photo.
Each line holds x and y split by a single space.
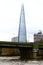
14 44
17 44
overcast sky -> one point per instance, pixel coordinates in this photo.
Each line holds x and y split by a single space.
10 15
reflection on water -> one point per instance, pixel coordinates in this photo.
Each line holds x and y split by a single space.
8 61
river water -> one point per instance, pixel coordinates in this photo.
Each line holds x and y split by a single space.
12 61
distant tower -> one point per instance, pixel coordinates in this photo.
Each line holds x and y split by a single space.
22 28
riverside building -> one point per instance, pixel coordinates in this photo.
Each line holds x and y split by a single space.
38 37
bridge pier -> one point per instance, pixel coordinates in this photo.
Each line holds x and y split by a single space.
25 53
35 50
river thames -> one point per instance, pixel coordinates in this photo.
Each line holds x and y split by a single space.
12 61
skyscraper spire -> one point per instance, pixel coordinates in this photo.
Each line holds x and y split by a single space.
22 27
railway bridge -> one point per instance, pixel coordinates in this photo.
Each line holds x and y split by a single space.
26 50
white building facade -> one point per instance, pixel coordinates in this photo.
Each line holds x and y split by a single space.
14 39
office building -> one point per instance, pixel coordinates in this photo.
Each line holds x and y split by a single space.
38 37
15 39
22 27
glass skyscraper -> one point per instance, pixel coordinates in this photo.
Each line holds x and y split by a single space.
22 27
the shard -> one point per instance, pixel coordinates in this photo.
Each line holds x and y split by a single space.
22 27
